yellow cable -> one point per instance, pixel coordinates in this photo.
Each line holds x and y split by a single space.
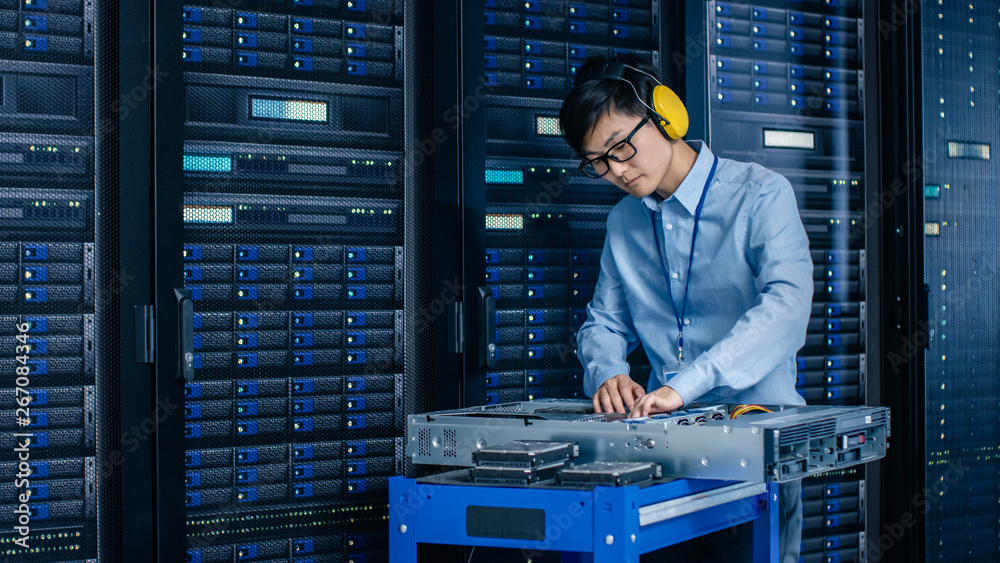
743 409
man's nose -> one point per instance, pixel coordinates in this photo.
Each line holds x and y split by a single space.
618 168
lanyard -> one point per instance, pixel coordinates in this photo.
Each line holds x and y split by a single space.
687 280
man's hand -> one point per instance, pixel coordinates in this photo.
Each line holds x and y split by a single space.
617 394
663 399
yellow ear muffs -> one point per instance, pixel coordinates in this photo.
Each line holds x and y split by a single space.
665 107
672 116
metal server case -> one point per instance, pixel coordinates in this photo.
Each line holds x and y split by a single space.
701 442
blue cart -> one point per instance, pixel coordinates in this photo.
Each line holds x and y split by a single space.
600 524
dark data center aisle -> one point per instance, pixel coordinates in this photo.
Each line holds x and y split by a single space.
242 240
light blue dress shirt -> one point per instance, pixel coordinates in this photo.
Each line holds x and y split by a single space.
750 292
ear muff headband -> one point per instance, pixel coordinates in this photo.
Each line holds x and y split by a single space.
665 106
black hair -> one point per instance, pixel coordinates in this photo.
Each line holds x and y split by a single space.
590 100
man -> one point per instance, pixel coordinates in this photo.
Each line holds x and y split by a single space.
705 262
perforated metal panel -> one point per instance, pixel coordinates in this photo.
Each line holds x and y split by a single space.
961 79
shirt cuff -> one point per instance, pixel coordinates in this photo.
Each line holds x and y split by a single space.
604 370
690 383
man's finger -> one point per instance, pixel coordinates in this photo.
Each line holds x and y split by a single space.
658 404
616 399
647 406
606 402
639 405
597 402
625 391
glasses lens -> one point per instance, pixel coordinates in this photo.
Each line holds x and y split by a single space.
594 168
622 152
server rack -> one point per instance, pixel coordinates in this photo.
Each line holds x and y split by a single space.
298 216
959 80
49 290
544 221
785 87
534 225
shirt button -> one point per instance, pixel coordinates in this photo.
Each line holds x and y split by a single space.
687 321
674 275
670 226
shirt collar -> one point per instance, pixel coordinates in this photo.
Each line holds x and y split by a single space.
689 192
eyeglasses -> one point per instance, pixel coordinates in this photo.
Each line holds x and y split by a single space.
597 167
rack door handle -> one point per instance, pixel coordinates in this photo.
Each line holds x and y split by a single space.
185 334
487 328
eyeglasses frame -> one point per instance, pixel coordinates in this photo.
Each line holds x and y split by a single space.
608 156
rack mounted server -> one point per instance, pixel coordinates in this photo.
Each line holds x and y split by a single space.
701 442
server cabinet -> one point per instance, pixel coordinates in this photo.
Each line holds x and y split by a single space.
297 244
785 87
958 76
535 226
544 222
55 303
